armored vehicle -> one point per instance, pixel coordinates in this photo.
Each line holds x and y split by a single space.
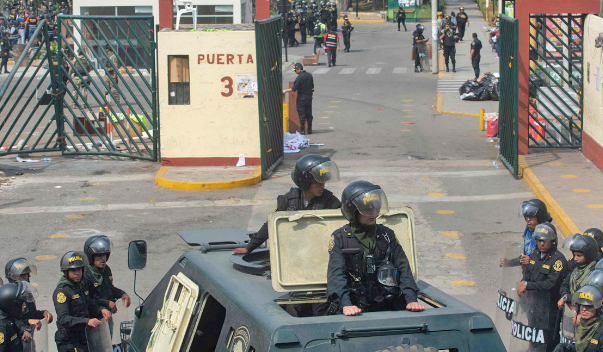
210 300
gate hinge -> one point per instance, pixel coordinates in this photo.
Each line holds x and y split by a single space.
61 140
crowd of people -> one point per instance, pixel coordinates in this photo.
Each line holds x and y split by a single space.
83 296
575 284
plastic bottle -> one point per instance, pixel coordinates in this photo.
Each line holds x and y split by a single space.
47 160
495 164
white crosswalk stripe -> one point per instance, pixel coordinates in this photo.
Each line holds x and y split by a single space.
400 70
321 71
449 86
352 70
373 71
347 71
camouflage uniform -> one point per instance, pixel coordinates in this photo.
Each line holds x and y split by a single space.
110 71
78 83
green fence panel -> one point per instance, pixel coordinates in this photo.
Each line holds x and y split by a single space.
508 122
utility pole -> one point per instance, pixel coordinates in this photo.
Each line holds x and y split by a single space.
357 9
434 35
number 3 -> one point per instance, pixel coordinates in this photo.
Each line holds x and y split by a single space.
227 86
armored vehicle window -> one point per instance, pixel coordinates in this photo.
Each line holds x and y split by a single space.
209 326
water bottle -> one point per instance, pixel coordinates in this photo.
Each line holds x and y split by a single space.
495 164
47 160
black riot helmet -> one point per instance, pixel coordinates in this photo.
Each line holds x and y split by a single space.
13 296
314 168
73 260
297 66
589 296
388 277
17 267
462 9
420 28
365 198
535 208
97 245
545 232
586 245
596 278
597 235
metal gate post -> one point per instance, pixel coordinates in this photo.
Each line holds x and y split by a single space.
57 86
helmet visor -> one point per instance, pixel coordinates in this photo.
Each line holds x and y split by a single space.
325 172
27 292
102 245
21 266
596 279
528 210
570 240
388 276
372 203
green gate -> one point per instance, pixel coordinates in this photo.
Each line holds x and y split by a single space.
270 88
508 121
555 107
43 107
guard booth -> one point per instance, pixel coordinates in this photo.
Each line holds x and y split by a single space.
541 104
220 95
413 11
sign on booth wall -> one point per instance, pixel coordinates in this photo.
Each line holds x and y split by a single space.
246 85
246 82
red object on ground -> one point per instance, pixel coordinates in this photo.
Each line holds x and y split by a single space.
409 123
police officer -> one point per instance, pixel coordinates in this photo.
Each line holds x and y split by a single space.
80 67
585 251
52 28
303 23
304 86
462 21
346 30
310 175
417 38
597 235
401 17
14 297
32 24
589 331
332 45
4 52
310 20
333 16
544 275
368 269
291 22
20 269
476 47
448 39
74 307
324 13
111 65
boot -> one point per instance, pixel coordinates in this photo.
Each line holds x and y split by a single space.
453 67
309 127
417 69
302 127
447 69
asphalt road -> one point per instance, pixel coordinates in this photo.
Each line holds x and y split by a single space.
375 118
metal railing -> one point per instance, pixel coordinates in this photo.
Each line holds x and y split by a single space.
508 122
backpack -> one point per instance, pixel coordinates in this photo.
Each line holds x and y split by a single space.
316 30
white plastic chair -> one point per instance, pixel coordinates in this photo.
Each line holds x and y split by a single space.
188 8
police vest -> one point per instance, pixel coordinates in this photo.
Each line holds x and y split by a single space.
331 40
295 201
51 29
33 22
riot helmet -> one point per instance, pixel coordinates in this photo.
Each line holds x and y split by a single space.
599 265
535 208
298 66
365 198
597 235
588 296
17 267
314 168
568 241
388 277
586 245
97 245
596 278
420 28
461 9
73 260
13 296
545 232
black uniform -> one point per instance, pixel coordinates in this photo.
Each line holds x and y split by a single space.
304 86
346 30
449 48
291 22
4 54
545 275
332 18
476 45
103 292
417 35
461 21
294 200
324 16
303 25
10 333
74 308
343 290
401 17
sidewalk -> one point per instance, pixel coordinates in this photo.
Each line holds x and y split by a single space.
207 178
450 82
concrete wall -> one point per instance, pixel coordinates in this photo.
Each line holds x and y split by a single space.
592 144
218 125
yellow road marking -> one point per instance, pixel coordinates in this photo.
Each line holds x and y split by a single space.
74 216
407 105
324 117
409 115
429 178
455 256
327 111
89 198
568 176
462 283
323 123
59 235
436 194
595 206
407 100
556 163
407 110
451 233
335 101
34 284
581 190
333 106
445 212
100 184
406 130
45 257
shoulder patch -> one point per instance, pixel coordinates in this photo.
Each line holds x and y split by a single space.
61 298
1 338
594 342
331 243
546 266
96 284
558 265
75 296
111 277
532 262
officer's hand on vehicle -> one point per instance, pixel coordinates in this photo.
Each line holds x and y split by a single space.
560 303
48 316
36 323
525 260
95 323
126 300
112 307
351 310
415 307
240 251
106 314
521 288
26 337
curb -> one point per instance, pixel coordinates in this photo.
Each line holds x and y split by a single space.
440 106
370 21
563 221
161 181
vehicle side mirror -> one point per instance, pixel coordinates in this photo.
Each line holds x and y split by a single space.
137 255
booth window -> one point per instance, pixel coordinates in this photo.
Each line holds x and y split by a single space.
179 86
